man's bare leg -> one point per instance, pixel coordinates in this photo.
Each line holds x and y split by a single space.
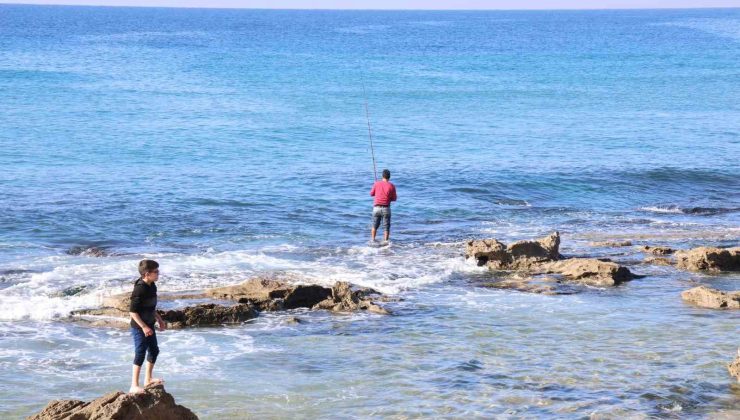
148 380
386 235
135 388
373 231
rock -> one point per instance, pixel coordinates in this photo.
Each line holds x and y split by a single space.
88 251
344 299
208 314
530 285
711 298
657 250
709 259
611 243
590 271
658 261
734 367
121 301
273 294
520 255
293 320
154 404
203 315
265 294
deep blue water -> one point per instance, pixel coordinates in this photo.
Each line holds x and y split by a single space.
231 142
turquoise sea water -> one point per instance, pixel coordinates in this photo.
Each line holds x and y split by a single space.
230 143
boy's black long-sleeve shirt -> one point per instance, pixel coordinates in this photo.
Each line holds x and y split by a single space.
144 303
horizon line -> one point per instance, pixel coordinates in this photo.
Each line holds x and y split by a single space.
365 9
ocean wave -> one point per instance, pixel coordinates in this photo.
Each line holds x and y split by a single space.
700 211
40 290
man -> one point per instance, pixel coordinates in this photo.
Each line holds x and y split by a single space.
384 192
143 311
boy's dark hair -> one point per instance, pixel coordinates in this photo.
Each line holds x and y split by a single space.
147 265
386 174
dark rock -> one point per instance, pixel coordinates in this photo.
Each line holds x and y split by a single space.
208 314
344 299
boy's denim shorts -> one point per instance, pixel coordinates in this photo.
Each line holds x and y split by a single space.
384 214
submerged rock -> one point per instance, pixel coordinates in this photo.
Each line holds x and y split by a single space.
734 367
88 251
520 255
709 259
658 261
657 250
541 285
590 271
154 404
711 298
611 243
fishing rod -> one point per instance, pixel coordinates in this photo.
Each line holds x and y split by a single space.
370 132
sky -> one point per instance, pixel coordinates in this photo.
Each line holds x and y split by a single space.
401 4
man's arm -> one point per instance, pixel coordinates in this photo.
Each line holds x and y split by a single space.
372 191
393 193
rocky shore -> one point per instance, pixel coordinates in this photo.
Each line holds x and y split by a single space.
530 266
239 303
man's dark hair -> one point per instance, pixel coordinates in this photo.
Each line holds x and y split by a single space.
386 174
147 265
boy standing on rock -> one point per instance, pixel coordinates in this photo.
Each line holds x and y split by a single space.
143 311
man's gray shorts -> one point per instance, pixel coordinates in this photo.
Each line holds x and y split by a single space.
384 214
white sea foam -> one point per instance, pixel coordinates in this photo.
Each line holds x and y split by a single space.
44 293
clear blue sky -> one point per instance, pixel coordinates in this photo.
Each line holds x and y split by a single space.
402 4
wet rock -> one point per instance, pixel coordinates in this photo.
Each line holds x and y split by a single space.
263 293
88 251
540 285
273 295
208 314
154 404
293 320
611 244
657 250
120 301
711 298
590 271
71 291
709 259
344 299
520 255
658 261
203 315
734 367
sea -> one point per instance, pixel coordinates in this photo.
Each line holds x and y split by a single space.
230 144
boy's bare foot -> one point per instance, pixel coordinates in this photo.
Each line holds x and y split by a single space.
136 390
155 381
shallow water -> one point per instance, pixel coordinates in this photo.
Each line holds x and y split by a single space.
227 144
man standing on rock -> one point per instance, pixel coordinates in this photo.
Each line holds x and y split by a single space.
143 311
384 192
